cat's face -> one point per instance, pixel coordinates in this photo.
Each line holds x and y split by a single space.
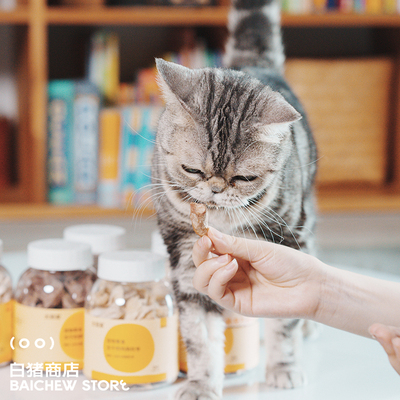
224 137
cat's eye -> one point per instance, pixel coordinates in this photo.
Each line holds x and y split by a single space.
192 170
244 178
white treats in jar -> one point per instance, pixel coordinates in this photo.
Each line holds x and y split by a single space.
131 325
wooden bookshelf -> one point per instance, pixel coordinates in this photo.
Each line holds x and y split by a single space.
28 199
15 17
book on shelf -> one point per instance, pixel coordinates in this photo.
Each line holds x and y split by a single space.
59 141
104 155
72 137
86 142
109 156
6 152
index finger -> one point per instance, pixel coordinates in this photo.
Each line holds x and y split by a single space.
202 250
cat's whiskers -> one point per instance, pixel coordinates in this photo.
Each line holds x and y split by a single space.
261 222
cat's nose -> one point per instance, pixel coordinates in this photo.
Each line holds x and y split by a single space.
217 189
217 184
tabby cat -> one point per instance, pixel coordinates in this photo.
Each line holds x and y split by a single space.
237 140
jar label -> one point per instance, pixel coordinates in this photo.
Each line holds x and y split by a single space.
48 335
242 347
6 315
138 351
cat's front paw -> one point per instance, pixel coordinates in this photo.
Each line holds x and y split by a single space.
195 390
285 377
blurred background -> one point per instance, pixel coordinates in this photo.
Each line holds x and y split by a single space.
79 105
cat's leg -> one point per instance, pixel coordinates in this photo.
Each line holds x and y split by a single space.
284 340
202 331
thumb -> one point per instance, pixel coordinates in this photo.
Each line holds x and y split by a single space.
245 249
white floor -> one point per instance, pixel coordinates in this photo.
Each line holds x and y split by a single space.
339 365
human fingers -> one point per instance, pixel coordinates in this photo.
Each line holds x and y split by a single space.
206 269
396 347
384 335
217 287
201 250
245 249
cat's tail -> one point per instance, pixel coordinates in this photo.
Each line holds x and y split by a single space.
255 37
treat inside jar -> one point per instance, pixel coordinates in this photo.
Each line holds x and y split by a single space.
199 218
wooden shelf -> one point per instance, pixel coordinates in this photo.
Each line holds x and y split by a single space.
15 17
335 19
25 211
202 16
28 200
137 15
328 201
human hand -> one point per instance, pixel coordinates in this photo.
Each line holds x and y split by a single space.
389 338
257 278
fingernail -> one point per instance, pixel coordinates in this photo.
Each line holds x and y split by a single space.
223 259
205 242
232 265
215 233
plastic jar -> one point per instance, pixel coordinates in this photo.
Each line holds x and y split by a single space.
131 325
100 237
6 313
242 344
49 304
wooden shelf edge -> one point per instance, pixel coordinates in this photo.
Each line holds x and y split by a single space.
184 16
19 16
23 211
328 202
337 19
207 16
138 15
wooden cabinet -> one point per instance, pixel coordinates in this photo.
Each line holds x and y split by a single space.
358 117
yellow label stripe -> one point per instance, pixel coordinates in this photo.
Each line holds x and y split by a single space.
129 380
234 368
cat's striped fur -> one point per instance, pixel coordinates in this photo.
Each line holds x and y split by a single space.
237 140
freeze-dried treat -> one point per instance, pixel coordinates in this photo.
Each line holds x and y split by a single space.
198 216
51 291
60 289
76 287
128 301
67 301
5 286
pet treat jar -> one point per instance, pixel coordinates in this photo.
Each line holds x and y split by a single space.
100 237
6 313
242 344
131 325
49 304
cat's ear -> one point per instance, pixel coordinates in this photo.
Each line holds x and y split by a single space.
176 82
276 117
277 110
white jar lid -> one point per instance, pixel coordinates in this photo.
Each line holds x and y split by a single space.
131 266
157 244
59 255
99 237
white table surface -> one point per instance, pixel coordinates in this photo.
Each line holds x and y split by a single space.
339 365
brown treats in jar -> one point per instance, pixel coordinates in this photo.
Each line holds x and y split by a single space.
198 216
57 277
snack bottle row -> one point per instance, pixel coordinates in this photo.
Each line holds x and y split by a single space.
115 320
